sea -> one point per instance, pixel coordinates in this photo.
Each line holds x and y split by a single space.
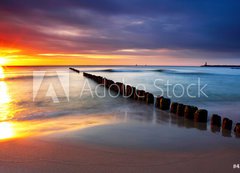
59 98
214 89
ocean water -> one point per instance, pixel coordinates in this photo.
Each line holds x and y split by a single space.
27 96
220 95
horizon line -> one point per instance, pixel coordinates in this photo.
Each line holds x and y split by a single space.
99 65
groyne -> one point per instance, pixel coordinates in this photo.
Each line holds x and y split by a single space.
189 112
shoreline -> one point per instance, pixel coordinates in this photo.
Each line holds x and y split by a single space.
136 129
70 150
131 137
36 155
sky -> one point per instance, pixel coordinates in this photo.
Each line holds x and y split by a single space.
119 32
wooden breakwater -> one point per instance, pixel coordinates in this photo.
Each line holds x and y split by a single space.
75 70
187 111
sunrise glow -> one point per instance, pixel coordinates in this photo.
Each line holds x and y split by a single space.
119 86
1 73
2 61
6 130
96 35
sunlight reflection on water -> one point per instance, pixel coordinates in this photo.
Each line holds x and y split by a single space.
1 73
5 101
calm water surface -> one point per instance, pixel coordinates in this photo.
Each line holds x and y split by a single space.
127 117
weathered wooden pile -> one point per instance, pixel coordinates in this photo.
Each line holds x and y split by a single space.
187 111
75 70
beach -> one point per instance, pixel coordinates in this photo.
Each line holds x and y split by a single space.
145 86
66 152
110 143
40 156
92 131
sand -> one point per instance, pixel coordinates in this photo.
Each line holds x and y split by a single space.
33 155
93 144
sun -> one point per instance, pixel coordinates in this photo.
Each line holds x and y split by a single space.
2 61
6 130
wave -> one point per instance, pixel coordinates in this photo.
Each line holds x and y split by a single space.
117 70
168 71
183 72
17 77
45 115
192 73
159 70
180 72
25 77
56 114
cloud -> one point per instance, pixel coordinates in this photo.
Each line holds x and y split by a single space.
107 26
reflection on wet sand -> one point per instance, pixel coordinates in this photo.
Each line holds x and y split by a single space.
182 122
237 135
226 133
20 129
215 129
160 117
155 116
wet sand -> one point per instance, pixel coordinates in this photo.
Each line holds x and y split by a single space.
114 135
120 143
141 140
38 155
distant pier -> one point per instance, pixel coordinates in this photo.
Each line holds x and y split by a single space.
228 66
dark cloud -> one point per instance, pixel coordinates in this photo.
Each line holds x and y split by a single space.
110 25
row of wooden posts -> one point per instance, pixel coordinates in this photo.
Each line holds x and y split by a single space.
181 110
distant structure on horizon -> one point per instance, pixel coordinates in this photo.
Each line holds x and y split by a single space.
231 66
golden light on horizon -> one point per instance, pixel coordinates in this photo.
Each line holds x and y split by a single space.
2 61
6 54
6 130
1 73
6 51
27 57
